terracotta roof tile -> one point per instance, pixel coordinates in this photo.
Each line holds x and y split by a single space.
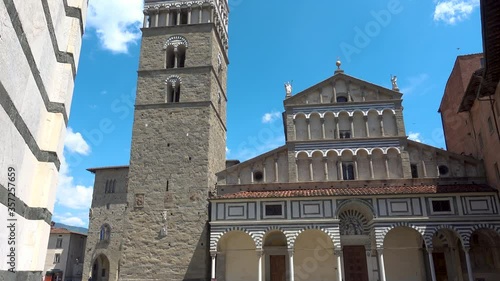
421 189
56 230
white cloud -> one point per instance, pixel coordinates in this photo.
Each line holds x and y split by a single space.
252 148
75 143
228 150
415 137
271 117
69 194
453 11
70 219
414 82
116 22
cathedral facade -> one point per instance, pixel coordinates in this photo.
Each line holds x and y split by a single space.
347 197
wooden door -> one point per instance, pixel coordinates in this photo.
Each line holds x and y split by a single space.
440 266
355 267
278 268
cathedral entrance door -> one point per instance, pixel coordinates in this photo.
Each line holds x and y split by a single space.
440 266
278 268
355 267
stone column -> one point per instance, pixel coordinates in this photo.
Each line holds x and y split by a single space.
369 264
311 172
337 127
469 265
260 254
372 173
308 124
157 17
386 160
381 120
292 266
176 57
189 15
214 256
275 169
323 134
251 175
380 253
431 265
341 172
297 169
200 16
351 120
179 17
168 18
340 269
325 167
367 127
145 23
334 92
356 174
239 177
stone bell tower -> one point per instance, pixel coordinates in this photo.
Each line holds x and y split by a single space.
178 140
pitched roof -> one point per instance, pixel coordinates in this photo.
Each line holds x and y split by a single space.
57 230
357 191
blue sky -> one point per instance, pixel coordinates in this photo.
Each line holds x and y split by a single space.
270 42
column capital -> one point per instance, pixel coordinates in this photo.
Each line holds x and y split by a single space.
429 250
338 252
213 254
290 251
259 252
380 251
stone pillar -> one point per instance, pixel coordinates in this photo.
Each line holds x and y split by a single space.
275 169
340 269
356 174
470 274
260 254
157 17
369 264
239 177
367 127
189 15
334 92
337 127
308 124
179 17
381 120
200 16
325 167
291 265
311 172
297 170
380 253
176 57
372 173
145 23
264 172
323 134
386 161
214 256
431 265
168 18
251 175
351 120
341 173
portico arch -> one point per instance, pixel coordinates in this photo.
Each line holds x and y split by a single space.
404 250
314 256
236 257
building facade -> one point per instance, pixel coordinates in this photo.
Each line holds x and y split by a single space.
40 48
64 261
347 197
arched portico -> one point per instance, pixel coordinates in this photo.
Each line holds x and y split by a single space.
236 257
485 254
314 256
404 255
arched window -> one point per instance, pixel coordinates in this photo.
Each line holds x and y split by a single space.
341 99
173 93
348 171
105 232
175 51
170 57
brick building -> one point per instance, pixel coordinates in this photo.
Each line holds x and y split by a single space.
470 110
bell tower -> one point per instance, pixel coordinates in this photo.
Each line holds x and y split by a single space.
178 140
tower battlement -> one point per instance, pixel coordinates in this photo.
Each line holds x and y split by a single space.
188 12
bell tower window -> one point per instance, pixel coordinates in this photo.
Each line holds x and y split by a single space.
175 52
173 90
